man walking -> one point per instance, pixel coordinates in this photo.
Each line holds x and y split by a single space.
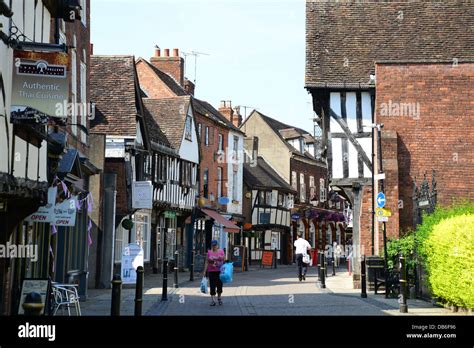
302 247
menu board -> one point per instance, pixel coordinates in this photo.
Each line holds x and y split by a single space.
267 258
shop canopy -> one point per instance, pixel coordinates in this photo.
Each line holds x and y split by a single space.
229 226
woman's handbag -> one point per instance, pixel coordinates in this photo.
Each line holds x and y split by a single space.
204 285
227 271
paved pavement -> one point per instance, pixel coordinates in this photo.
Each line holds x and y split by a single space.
259 292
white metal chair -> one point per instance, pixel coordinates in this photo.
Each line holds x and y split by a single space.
65 296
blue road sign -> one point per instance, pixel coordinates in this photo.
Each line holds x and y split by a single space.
295 216
381 200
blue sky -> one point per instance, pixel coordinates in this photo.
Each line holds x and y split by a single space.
256 47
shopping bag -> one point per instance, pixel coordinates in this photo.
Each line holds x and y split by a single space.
227 271
204 285
306 259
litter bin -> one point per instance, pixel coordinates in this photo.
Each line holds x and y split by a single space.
375 269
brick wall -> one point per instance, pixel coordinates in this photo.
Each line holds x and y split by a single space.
308 170
209 160
151 84
439 137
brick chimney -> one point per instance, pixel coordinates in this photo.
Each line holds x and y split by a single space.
237 120
233 115
173 66
189 87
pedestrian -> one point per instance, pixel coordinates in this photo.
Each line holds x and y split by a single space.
302 247
214 261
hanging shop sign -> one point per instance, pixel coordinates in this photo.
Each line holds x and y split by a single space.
40 86
142 195
62 214
170 215
132 258
44 213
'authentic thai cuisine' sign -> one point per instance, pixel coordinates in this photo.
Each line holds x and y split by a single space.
40 86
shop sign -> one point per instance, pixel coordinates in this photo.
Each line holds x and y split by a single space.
267 258
132 258
142 195
170 214
40 85
63 214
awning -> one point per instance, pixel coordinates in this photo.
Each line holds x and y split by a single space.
229 226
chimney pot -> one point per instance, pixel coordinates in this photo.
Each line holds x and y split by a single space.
167 52
229 104
222 103
92 49
175 52
157 52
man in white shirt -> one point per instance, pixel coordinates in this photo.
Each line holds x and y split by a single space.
302 247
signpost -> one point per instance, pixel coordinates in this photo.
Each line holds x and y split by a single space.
267 258
132 258
381 200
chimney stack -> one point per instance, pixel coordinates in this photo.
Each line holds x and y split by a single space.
173 66
189 87
232 115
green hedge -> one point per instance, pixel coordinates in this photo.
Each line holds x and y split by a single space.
450 260
431 241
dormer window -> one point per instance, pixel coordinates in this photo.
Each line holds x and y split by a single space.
302 145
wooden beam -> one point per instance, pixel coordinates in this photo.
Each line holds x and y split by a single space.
352 139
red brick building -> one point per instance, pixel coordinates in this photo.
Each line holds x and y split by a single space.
386 63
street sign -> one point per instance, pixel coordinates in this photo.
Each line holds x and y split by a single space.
380 176
295 216
381 200
383 212
382 218
132 258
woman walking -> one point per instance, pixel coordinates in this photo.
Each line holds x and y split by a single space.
214 261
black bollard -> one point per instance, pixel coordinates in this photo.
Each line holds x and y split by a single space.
139 291
333 263
176 269
191 269
323 271
116 293
363 278
319 265
33 305
403 286
164 292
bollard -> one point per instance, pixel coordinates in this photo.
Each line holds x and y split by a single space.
403 286
176 269
191 269
319 265
323 271
363 278
164 292
116 293
33 304
333 263
139 291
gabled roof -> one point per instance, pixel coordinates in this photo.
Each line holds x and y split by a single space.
207 110
200 106
345 38
281 129
168 80
263 176
170 114
113 90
